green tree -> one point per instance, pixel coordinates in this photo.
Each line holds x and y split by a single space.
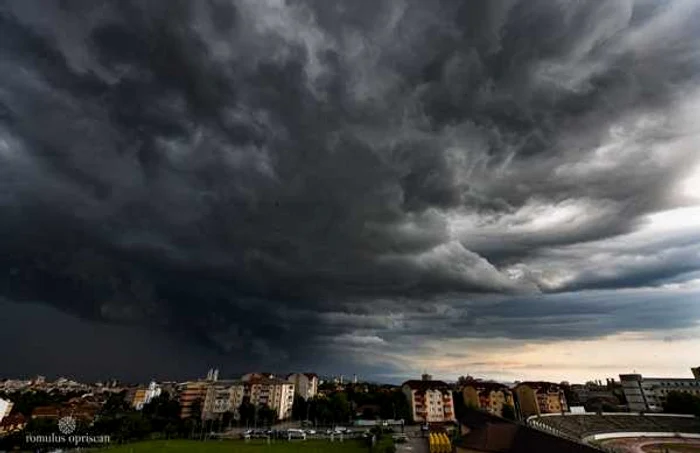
508 412
299 408
116 404
682 403
196 409
266 415
340 408
246 412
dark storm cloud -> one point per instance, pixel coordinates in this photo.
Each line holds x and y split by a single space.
238 170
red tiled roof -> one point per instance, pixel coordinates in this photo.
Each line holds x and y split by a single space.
426 385
13 419
539 385
488 386
46 411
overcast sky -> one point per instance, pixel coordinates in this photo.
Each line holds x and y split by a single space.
508 189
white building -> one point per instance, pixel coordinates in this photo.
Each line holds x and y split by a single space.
649 394
431 401
305 384
275 393
5 408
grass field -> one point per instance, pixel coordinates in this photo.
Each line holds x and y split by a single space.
239 446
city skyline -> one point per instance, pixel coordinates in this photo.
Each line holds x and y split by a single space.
508 189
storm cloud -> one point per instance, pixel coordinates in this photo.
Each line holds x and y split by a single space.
274 179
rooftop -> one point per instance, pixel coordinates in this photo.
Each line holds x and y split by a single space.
426 385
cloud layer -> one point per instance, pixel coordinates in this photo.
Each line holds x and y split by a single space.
261 175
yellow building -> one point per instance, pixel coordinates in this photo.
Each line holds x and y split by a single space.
537 398
487 396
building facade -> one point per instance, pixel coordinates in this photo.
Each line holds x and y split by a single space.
487 396
305 384
145 396
5 408
217 397
536 398
222 397
649 394
190 393
430 401
275 393
253 376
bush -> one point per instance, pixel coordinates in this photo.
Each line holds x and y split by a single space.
385 445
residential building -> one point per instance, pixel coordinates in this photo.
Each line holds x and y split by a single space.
305 384
191 393
595 394
12 424
275 393
5 408
144 396
487 396
252 376
223 396
535 398
430 401
649 394
81 410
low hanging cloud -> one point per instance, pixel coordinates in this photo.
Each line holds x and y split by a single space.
259 175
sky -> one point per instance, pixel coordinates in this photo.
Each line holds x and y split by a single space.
508 189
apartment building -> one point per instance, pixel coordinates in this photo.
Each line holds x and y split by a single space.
487 396
431 401
276 393
223 396
12 424
143 396
536 398
253 376
191 392
305 384
649 394
5 408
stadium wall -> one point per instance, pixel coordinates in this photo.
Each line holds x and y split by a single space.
606 436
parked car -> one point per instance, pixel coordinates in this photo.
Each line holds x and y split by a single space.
296 434
311 431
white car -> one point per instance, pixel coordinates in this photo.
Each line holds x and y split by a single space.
310 431
296 434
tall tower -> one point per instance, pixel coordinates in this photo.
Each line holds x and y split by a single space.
696 372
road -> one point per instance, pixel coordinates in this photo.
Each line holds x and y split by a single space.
414 445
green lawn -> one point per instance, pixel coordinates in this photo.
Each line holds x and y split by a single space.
239 446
